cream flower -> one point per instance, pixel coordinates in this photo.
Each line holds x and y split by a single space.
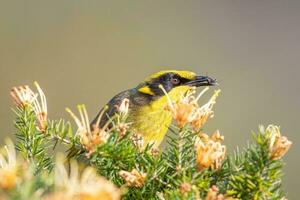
133 178
123 108
213 194
40 108
187 110
122 126
89 139
202 114
217 137
23 96
185 188
8 167
137 140
209 152
87 186
278 145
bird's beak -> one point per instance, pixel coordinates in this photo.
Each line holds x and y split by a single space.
202 81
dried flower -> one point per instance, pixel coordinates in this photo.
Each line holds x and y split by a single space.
133 178
278 145
23 96
187 110
122 128
213 194
89 139
179 168
154 151
210 153
87 186
138 140
185 188
8 167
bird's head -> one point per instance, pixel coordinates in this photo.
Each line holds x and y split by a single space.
174 82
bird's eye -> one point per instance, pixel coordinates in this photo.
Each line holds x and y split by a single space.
175 81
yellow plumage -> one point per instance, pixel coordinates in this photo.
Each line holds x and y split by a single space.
152 120
147 111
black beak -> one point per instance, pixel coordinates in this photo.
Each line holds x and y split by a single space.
202 81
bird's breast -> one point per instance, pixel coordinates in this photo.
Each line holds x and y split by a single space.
151 121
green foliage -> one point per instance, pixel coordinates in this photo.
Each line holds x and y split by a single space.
253 175
32 143
248 174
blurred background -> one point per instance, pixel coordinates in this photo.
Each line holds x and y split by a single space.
87 51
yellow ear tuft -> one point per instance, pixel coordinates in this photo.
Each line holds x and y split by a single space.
146 90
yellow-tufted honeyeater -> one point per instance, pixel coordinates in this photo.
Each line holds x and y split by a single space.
147 111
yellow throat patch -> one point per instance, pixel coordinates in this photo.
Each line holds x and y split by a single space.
152 121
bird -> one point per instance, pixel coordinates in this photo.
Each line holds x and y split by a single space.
147 113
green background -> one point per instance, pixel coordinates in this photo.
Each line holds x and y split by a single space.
86 51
